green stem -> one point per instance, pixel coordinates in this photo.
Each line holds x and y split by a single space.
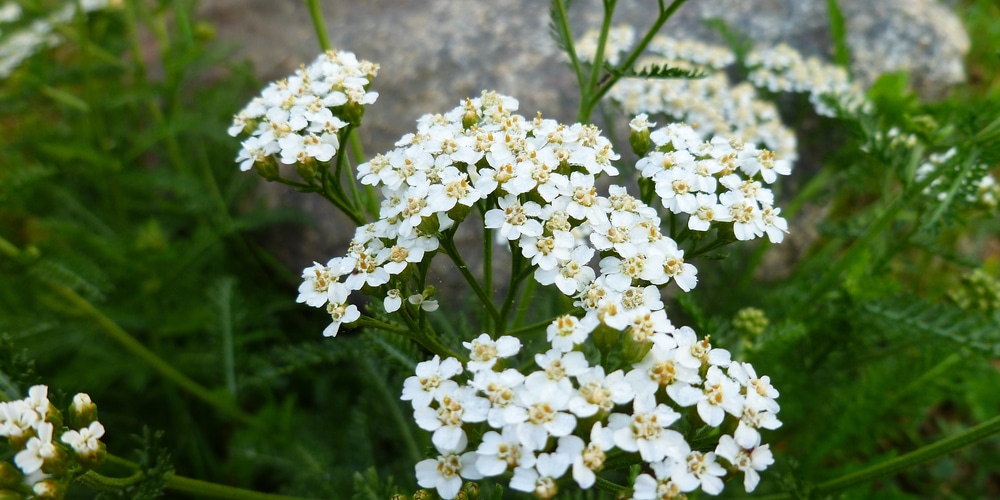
587 106
513 285
566 34
134 347
195 487
488 263
602 41
317 18
448 245
922 455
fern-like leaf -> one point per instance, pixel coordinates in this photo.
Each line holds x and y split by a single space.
655 71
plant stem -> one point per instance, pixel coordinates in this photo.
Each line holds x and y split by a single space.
317 18
566 34
196 487
587 105
448 245
927 453
134 347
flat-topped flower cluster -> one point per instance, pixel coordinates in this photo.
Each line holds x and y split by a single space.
300 118
715 181
538 177
570 416
47 447
534 184
783 69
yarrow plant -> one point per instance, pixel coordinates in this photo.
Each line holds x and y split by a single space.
516 306
533 182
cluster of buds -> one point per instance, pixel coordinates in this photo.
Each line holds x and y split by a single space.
44 465
299 119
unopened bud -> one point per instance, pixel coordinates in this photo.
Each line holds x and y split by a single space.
49 489
639 137
605 338
472 490
10 476
82 412
268 169
307 170
423 495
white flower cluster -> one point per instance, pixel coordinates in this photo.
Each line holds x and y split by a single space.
40 33
299 118
30 426
569 415
783 69
693 51
984 191
620 40
715 181
711 104
539 177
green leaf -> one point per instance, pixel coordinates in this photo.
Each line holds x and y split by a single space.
655 71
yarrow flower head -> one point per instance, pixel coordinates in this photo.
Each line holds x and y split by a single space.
534 184
300 118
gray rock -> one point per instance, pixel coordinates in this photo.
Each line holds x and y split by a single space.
435 53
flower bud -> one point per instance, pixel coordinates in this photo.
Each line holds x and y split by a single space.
49 489
633 351
268 169
307 170
750 321
10 476
639 137
423 495
472 490
462 495
82 412
352 112
546 488
399 496
605 338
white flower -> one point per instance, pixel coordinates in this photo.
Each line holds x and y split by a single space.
571 276
16 417
640 123
454 409
721 395
587 459
393 300
541 480
750 462
646 431
566 332
484 351
662 487
85 441
699 469
500 388
445 472
514 219
422 302
432 380
36 450
499 453
598 393
543 404
340 311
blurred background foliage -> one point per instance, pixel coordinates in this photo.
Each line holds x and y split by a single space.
120 205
